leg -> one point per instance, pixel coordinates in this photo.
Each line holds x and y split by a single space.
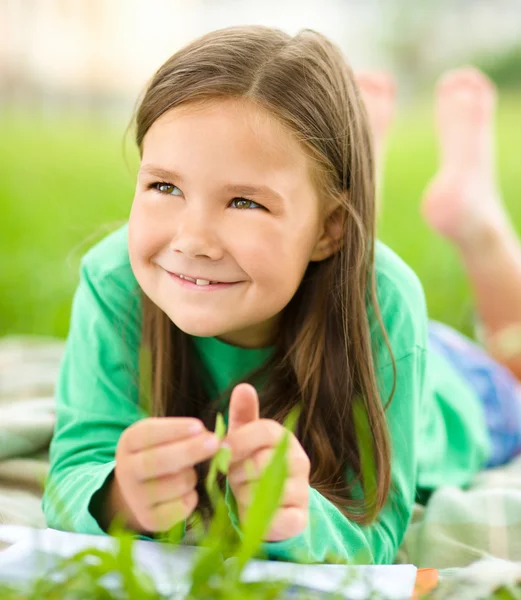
463 204
378 92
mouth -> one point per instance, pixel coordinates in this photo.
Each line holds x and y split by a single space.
198 281
201 285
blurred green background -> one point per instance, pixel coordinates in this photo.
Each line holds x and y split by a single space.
70 75
64 184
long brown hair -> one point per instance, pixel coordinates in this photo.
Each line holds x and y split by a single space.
323 357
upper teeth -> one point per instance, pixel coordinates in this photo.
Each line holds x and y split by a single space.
196 281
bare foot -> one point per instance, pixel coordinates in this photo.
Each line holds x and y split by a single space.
462 202
378 90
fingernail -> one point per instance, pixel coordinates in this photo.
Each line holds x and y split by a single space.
212 443
195 427
226 446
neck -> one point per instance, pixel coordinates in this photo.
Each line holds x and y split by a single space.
255 336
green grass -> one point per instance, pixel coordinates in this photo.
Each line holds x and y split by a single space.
64 183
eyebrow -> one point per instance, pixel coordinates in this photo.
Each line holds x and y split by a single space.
238 189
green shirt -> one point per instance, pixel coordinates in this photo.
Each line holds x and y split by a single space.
436 423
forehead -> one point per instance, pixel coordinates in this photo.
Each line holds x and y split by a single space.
235 132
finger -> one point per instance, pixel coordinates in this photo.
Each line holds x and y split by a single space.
173 458
244 406
251 468
252 437
169 487
243 494
288 523
163 517
155 431
295 494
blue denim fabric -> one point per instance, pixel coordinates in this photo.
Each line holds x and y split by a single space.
498 389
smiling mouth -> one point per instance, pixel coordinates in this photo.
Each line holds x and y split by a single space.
196 281
199 284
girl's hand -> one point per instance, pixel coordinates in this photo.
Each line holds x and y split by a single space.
155 479
252 440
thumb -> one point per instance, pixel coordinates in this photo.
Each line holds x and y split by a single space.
244 406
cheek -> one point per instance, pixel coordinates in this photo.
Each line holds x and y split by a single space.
277 258
136 234
144 237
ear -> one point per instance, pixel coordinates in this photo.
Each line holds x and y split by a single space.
331 235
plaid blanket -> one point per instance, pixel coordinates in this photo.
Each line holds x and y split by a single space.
28 371
458 527
455 529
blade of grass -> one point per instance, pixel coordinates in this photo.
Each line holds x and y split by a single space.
266 495
135 583
265 503
219 463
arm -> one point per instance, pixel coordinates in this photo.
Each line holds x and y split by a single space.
329 534
96 398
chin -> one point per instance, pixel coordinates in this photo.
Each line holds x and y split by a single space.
199 327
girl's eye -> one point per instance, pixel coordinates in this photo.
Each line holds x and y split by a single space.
165 188
245 203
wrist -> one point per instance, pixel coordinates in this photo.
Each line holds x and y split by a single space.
116 507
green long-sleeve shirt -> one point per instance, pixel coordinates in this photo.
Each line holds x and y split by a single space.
436 423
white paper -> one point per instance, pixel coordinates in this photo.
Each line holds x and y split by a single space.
35 550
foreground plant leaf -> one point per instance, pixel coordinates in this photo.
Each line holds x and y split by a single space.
266 501
219 463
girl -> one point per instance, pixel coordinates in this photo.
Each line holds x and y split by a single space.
250 275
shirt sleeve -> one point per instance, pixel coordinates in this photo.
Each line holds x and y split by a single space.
330 536
96 397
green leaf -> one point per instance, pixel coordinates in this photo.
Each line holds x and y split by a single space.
77 576
265 503
174 535
210 562
196 526
220 427
290 422
221 532
507 592
219 463
210 483
222 459
136 583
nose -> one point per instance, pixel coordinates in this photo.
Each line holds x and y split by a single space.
195 236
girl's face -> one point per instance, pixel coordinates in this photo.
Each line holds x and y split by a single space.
224 194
